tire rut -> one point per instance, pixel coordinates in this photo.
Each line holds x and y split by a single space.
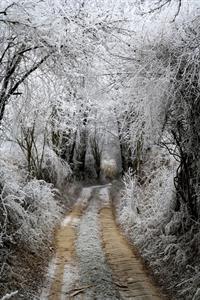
65 245
64 262
94 271
128 271
93 259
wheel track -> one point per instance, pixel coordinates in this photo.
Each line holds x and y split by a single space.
128 279
127 269
65 245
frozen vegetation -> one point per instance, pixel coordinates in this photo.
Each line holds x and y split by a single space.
91 257
97 90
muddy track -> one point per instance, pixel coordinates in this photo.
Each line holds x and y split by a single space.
65 245
93 259
128 271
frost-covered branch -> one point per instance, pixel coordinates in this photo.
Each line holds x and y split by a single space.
9 296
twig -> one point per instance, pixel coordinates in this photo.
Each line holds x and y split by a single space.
79 290
8 296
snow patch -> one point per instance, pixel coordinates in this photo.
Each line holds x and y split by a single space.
66 221
49 279
94 271
85 196
70 278
75 221
104 196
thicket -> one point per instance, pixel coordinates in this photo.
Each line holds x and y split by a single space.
161 198
49 51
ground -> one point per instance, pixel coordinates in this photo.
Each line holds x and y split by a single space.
93 260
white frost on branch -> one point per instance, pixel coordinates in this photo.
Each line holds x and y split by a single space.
9 296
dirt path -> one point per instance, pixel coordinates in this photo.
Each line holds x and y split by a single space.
63 265
127 269
93 260
65 245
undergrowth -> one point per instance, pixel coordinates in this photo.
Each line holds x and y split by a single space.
167 239
29 213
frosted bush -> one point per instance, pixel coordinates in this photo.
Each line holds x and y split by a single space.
47 164
149 198
148 217
130 199
29 211
57 170
42 214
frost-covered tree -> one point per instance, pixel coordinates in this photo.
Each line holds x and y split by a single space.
49 52
163 220
32 33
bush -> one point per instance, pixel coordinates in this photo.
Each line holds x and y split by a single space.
148 216
29 213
